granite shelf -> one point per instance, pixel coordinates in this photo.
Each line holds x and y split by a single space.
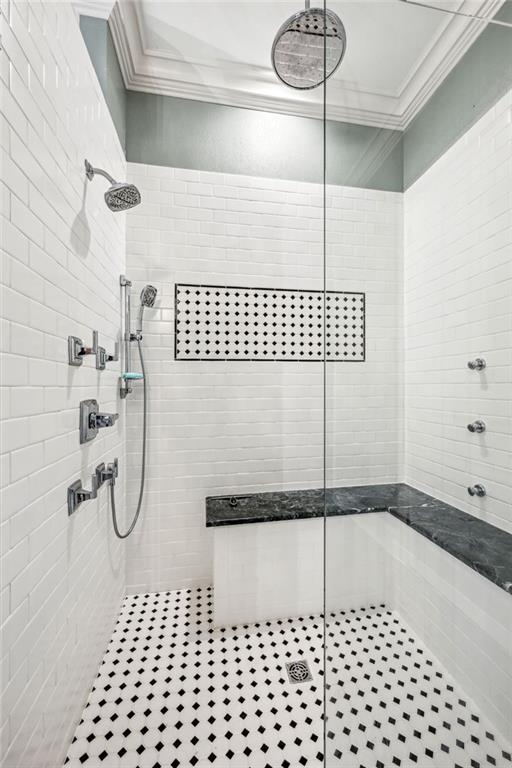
480 545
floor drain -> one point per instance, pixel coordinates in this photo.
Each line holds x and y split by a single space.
298 671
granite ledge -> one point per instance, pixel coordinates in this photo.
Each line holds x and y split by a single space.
480 545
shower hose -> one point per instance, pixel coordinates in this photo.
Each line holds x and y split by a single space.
143 468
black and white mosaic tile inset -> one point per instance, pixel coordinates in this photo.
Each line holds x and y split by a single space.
172 691
215 322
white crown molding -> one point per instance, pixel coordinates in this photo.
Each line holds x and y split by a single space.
442 56
100 9
243 85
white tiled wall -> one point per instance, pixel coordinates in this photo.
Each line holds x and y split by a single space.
62 579
270 570
218 427
223 427
462 617
458 306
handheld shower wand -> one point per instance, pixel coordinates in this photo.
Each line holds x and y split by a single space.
147 299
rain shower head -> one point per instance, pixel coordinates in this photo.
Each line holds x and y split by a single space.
298 48
120 196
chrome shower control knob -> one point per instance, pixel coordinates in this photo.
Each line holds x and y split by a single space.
477 365
477 426
105 419
477 490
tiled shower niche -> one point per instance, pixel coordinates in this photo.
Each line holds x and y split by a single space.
214 322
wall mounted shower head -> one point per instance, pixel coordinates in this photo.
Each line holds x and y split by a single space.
120 196
147 299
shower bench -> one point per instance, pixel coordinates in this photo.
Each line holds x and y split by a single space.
263 571
447 573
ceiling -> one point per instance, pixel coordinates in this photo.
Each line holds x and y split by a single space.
397 55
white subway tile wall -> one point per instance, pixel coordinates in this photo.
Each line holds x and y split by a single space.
458 306
463 618
63 251
219 427
232 427
271 570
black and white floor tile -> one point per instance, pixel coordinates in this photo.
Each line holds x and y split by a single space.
172 691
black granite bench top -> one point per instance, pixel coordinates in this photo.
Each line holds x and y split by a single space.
483 547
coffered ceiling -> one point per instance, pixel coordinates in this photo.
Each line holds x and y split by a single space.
397 54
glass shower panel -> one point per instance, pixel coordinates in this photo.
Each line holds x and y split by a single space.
418 399
243 259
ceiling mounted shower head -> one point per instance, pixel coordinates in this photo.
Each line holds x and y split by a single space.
120 196
298 48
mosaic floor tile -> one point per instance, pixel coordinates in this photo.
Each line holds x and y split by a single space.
172 691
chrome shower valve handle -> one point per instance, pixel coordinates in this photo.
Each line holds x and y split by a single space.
91 420
77 494
104 419
102 357
77 351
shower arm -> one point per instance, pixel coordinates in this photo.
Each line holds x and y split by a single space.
458 13
90 172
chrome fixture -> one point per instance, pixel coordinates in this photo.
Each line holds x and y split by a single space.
120 196
125 389
147 299
102 357
477 490
477 365
77 352
472 16
298 671
77 494
100 474
477 426
91 420
107 474
308 48
105 419
113 471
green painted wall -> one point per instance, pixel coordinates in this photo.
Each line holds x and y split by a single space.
481 77
184 133
193 134
100 45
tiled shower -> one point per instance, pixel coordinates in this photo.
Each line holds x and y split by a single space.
315 577
233 425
